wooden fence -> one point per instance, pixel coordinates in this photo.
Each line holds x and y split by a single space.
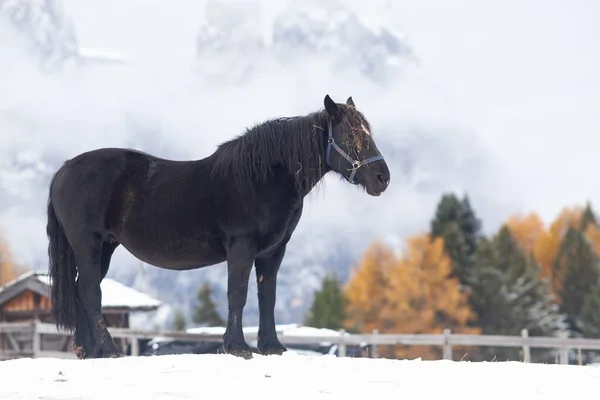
25 340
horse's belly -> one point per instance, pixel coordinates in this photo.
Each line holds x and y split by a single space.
179 255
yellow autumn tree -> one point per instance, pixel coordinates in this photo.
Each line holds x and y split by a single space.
533 237
526 230
8 269
408 294
366 289
421 297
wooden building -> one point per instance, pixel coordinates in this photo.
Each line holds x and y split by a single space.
27 299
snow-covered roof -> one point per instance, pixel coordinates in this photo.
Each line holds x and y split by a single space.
90 54
114 294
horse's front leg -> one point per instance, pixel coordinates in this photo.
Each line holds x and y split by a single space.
240 257
266 277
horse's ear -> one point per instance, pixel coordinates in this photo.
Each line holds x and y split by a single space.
332 109
350 102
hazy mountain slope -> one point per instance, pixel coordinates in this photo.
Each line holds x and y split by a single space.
176 81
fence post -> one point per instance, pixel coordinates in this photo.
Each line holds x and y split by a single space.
36 344
342 346
526 348
447 346
563 351
135 346
374 348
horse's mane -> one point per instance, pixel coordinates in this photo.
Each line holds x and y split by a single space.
294 143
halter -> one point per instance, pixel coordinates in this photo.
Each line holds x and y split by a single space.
355 163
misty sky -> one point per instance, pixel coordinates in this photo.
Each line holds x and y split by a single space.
504 103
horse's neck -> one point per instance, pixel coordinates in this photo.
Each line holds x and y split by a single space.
312 183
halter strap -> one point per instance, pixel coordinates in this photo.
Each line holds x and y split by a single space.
356 164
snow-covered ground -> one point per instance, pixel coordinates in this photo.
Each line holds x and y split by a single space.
289 377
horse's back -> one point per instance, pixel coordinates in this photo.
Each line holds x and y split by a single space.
88 182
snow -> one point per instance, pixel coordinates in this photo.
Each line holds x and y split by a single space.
117 295
291 376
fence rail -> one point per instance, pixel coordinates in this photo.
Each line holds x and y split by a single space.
447 339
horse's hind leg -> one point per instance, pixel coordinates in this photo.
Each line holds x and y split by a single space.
83 340
83 343
89 251
266 278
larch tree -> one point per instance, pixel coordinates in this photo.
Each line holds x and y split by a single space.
9 270
366 290
526 230
423 298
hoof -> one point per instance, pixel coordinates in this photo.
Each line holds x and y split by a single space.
245 354
273 347
241 350
79 351
106 352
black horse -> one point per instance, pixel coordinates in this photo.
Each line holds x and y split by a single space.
241 205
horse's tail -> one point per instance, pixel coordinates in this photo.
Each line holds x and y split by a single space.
62 271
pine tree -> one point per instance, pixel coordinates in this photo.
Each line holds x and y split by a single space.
470 225
590 316
578 267
179 321
486 297
508 293
328 309
455 221
205 312
588 217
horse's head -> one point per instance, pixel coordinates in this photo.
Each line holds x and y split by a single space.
351 150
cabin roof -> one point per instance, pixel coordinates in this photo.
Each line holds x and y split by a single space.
115 295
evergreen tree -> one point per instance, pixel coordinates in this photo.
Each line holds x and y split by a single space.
447 211
205 312
179 321
579 266
508 294
470 225
455 222
590 322
486 297
328 309
588 217
590 316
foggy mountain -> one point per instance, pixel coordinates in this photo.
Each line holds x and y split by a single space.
178 80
